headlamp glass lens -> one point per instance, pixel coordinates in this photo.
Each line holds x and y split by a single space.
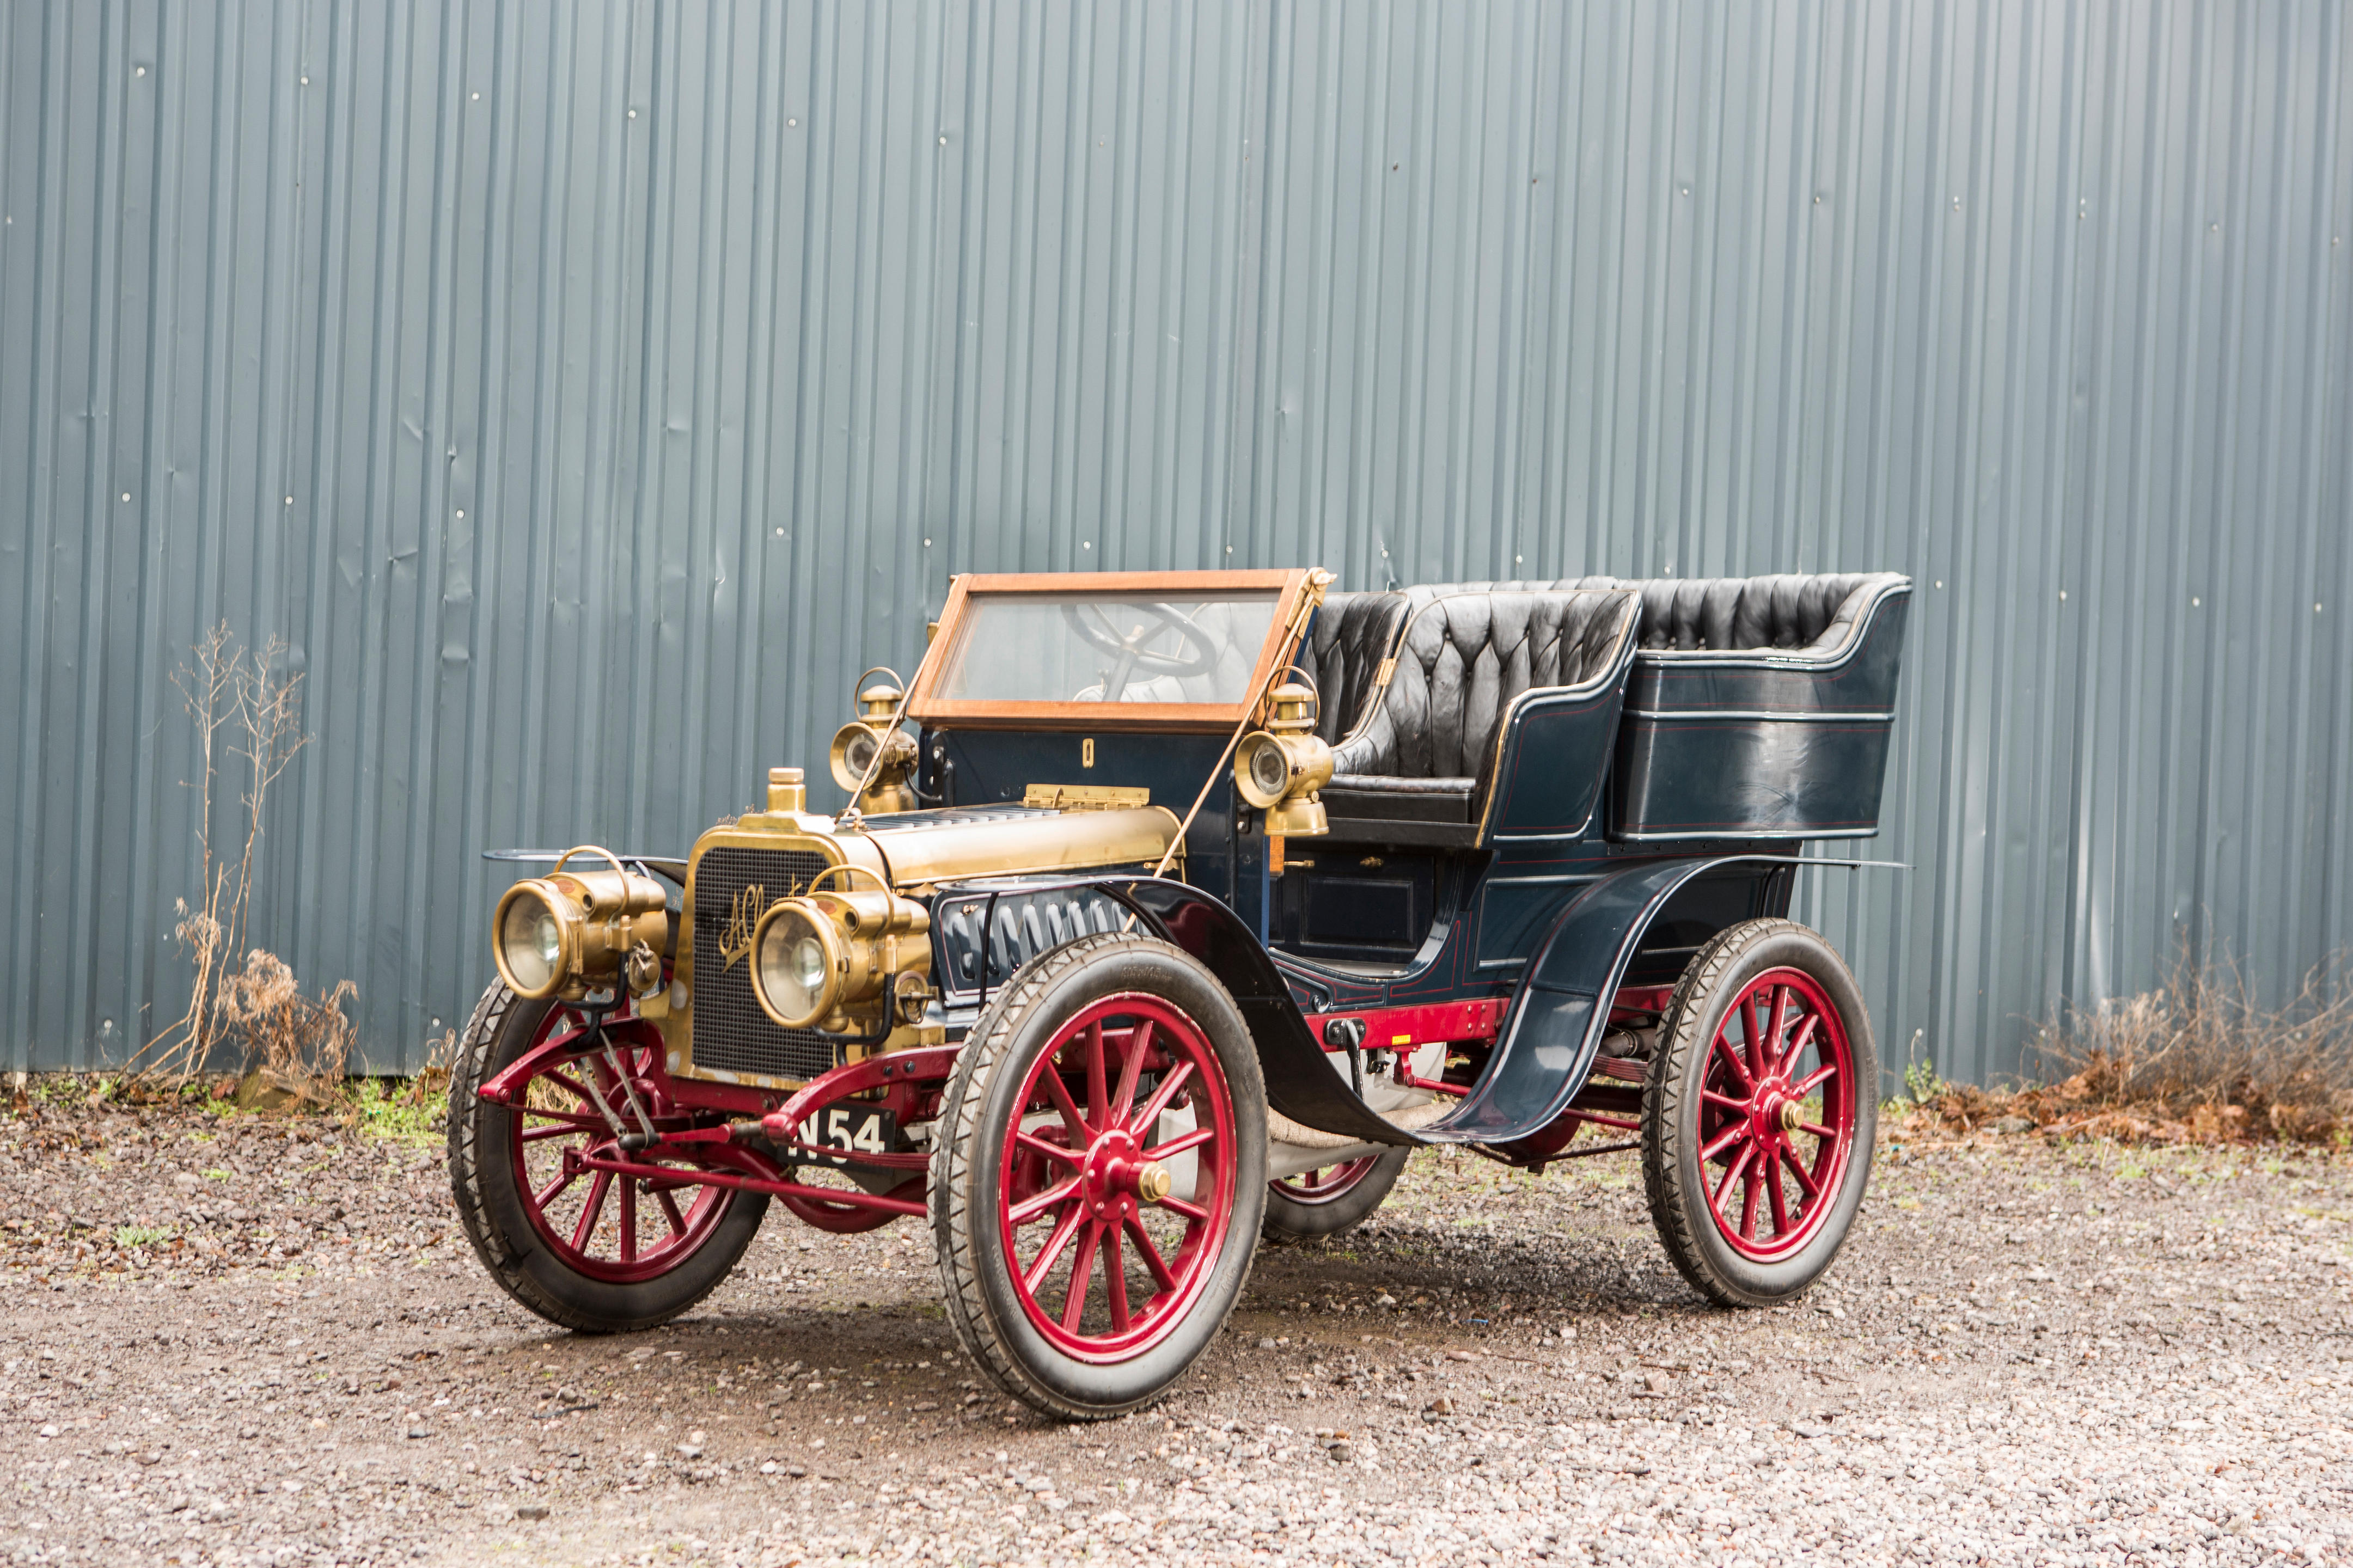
1270 769
531 940
792 966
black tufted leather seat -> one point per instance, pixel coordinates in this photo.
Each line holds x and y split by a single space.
1421 752
1812 613
1342 652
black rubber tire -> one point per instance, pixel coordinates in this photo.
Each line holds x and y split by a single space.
481 1180
1021 1021
1671 1177
1289 1220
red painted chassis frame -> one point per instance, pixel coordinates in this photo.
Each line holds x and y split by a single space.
908 1084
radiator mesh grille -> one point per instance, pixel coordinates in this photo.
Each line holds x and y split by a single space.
731 1033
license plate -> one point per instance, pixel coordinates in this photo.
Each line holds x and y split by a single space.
839 1134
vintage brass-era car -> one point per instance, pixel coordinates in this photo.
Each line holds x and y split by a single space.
1171 913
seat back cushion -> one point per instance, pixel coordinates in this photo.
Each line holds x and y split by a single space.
1467 653
1798 612
1342 650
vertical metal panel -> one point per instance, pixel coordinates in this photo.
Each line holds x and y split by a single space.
586 392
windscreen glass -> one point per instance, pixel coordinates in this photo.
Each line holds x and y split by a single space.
1107 648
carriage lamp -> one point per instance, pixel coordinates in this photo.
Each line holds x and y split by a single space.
817 955
873 751
1280 768
560 934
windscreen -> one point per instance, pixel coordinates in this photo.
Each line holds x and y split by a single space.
1107 648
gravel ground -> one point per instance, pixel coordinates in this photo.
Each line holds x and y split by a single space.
248 1340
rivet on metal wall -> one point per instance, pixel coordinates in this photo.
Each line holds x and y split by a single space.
306 81
290 500
126 496
2063 596
792 123
141 71
2193 601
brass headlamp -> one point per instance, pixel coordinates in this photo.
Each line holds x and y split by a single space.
816 957
1280 769
872 757
557 935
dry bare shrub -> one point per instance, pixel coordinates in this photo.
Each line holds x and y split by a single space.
248 711
303 1039
2200 1058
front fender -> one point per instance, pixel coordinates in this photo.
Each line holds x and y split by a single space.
1300 1083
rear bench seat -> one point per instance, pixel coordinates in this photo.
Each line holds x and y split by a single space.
1419 749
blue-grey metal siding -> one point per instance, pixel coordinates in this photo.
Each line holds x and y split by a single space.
586 392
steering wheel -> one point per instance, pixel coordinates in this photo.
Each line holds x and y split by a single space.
1096 628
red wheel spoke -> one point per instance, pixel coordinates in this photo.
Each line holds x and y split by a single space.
1098 1078
1798 1169
1035 1275
1747 1078
1778 1029
1141 1124
669 1210
1749 1198
1028 1209
1732 1175
1773 1191
1180 1144
1709 1097
1818 1131
589 1211
1813 1081
583 1091
1736 1133
1115 1281
1139 1046
1799 1042
1052 1151
628 1220
1756 1040
566 1126
1154 1263
1082 1268
555 1189
1178 1205
1073 1117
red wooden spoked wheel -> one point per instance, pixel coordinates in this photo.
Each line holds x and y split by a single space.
1758 1115
1106 1255
1314 1189
1777 1115
617 1228
596 1250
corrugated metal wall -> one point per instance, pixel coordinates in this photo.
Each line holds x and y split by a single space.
585 392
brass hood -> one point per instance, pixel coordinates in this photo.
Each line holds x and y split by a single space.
1028 842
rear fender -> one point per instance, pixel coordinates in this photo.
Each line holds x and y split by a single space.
1554 1027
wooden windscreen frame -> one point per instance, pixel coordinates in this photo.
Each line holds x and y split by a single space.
1106 718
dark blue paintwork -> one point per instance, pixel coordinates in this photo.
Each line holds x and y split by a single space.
1717 746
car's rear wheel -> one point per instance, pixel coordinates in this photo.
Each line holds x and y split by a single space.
1316 1204
1758 1122
1098 1176
593 1250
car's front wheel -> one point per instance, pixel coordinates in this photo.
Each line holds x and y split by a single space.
590 1249
1098 1176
